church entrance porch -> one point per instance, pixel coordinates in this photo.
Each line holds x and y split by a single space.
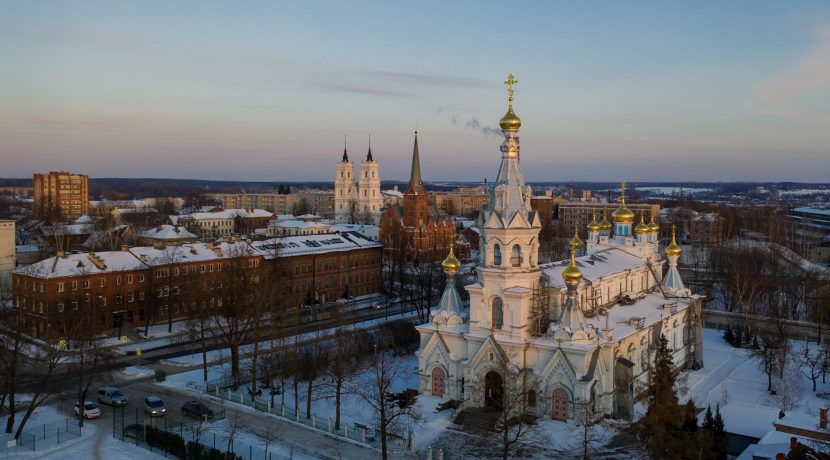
438 378
560 405
493 390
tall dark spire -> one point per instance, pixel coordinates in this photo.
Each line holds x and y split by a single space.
415 175
345 154
369 155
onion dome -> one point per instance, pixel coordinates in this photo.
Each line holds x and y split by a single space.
576 243
604 225
673 249
571 273
451 264
623 215
593 226
652 226
510 120
641 228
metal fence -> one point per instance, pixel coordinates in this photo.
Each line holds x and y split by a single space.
356 432
49 434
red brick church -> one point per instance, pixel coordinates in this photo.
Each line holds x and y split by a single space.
423 231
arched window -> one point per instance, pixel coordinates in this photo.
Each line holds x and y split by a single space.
497 313
497 255
516 256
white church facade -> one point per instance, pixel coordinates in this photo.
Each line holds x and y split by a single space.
357 199
583 330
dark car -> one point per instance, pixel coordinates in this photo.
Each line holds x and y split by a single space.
135 431
196 409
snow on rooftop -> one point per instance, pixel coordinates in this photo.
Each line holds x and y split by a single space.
597 265
168 232
229 214
137 258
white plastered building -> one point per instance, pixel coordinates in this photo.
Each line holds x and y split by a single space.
583 329
357 198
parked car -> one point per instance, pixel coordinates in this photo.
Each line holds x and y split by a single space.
112 396
135 431
196 409
90 410
154 406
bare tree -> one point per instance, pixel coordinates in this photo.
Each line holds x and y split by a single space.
375 389
425 284
766 355
345 361
812 365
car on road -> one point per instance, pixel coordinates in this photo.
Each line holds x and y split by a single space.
135 431
196 409
154 406
112 396
91 410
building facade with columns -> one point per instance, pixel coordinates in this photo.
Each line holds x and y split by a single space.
581 331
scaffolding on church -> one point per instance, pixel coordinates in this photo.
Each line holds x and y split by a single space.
594 302
540 303
659 279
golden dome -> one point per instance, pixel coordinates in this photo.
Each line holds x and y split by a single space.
571 273
641 228
604 225
576 243
622 215
652 226
673 249
510 120
451 264
593 226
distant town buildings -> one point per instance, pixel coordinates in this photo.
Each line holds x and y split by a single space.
7 257
222 222
319 202
575 215
60 195
168 235
706 229
466 201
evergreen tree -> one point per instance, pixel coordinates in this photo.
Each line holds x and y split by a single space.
729 336
661 430
739 338
721 442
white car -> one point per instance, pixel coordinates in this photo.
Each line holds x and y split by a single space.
91 410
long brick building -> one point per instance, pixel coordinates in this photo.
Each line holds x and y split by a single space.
136 285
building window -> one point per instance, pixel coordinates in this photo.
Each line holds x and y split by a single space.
60 287
497 313
74 285
141 278
497 255
516 256
130 297
74 304
86 284
118 281
129 279
60 307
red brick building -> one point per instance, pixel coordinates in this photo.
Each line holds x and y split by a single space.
423 231
135 285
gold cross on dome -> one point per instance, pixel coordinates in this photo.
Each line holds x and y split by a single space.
510 82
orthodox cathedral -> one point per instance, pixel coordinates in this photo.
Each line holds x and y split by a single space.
357 199
582 331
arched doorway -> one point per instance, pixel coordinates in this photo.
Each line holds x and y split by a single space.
493 390
438 378
560 405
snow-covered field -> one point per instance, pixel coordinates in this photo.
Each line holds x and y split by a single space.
730 378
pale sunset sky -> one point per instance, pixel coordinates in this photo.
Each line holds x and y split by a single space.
265 91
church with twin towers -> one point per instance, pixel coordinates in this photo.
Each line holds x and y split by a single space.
357 198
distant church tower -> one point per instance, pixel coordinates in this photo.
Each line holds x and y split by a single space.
369 200
344 189
357 199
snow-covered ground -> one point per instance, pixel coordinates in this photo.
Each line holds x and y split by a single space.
730 378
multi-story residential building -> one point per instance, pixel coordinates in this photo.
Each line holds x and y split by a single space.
466 201
147 284
7 257
60 195
574 216
706 229
317 201
296 227
222 222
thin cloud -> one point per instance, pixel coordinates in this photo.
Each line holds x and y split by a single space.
475 125
427 80
785 94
